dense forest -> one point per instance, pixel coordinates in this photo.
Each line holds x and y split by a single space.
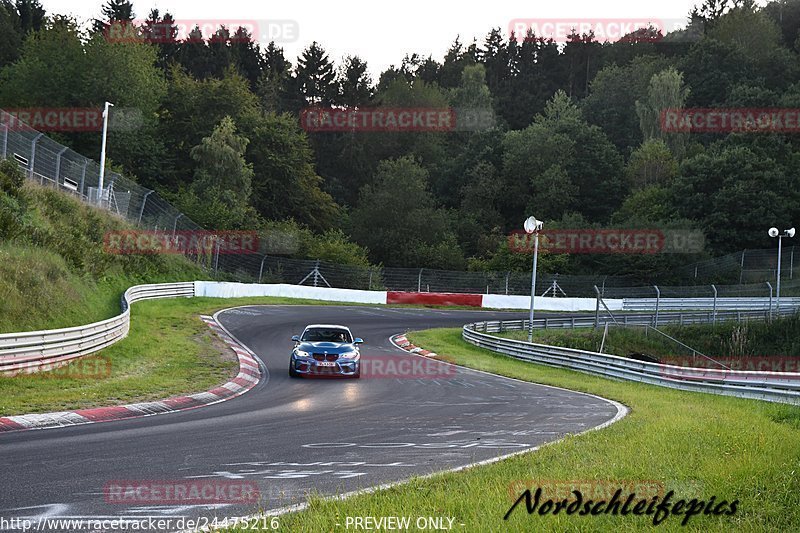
575 140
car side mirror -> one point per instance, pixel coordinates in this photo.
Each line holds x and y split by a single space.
358 340
296 338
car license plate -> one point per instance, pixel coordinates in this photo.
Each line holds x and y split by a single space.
326 363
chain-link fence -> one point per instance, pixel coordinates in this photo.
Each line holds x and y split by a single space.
51 164
747 266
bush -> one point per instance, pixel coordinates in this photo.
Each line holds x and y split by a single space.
11 177
11 216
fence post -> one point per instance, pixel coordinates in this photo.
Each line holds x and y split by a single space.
419 281
597 308
58 164
770 299
658 301
83 176
714 320
507 275
5 140
741 267
144 200
216 258
33 153
261 269
791 263
370 279
175 224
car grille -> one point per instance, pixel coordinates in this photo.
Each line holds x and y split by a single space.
326 357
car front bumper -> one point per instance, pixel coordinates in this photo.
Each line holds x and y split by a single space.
312 367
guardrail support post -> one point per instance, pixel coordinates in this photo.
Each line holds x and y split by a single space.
714 319
419 281
658 301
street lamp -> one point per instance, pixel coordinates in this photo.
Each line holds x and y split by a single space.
533 226
773 232
103 155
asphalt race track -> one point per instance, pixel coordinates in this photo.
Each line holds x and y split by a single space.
294 435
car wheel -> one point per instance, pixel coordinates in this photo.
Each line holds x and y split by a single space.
292 371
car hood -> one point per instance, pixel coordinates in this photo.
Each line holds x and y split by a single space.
330 347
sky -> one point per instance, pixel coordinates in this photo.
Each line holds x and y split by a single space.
383 33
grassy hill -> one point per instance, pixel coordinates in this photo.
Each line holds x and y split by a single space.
54 271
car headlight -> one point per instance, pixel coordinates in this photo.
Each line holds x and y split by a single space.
301 353
349 355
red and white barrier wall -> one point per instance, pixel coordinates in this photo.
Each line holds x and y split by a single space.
492 301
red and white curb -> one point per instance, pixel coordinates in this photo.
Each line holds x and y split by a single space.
249 375
402 342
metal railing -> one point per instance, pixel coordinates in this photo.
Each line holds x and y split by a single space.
681 318
36 350
770 386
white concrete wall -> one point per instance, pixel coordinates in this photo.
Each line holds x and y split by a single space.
219 289
500 301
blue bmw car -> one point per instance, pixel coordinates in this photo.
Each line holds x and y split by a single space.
325 350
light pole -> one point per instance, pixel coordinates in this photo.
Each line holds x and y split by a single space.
533 226
103 155
773 232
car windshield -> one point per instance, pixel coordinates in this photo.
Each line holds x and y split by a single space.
327 335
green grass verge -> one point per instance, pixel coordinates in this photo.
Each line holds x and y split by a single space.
699 445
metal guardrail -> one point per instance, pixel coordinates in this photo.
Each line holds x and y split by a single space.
34 350
680 318
739 304
770 386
